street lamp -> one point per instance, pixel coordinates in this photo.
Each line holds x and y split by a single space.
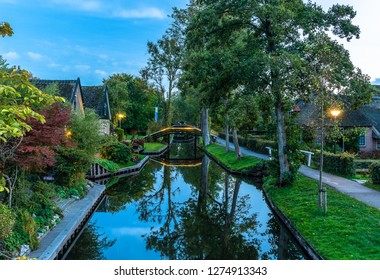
335 113
120 116
68 133
322 193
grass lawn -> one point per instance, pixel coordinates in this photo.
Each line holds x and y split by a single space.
229 159
113 166
153 146
349 230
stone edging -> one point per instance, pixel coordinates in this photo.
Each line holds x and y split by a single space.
313 254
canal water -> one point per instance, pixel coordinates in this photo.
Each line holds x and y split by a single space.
183 206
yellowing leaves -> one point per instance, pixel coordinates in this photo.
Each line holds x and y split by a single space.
18 100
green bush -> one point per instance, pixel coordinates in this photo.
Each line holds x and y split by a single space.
341 164
7 220
30 228
72 164
374 171
120 133
364 163
256 144
107 164
116 152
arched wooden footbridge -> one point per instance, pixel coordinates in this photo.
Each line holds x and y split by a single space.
175 129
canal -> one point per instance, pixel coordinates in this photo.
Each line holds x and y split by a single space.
183 206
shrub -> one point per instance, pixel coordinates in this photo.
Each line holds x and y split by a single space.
342 164
107 164
374 171
120 133
30 228
138 142
256 144
7 221
115 151
72 164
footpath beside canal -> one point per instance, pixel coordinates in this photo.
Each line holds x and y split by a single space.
75 215
351 188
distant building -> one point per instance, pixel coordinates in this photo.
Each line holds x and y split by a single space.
96 98
82 97
367 116
71 90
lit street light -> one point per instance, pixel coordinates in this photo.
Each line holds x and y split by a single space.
120 116
322 193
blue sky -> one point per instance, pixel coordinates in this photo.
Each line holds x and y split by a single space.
92 39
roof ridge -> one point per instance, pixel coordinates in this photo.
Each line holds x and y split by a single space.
54 81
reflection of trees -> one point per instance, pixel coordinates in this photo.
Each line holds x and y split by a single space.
91 245
183 150
131 188
204 227
152 205
282 246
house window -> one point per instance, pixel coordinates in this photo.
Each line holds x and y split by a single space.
378 145
362 140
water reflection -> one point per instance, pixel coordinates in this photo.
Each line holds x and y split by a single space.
188 212
96 244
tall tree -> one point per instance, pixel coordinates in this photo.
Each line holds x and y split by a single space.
275 64
134 97
164 66
39 146
20 101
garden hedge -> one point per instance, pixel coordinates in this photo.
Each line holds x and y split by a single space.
340 164
255 144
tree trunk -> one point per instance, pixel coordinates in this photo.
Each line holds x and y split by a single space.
230 214
169 104
9 186
281 139
205 127
227 135
236 143
202 197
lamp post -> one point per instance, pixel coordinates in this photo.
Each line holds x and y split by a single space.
322 193
335 113
120 116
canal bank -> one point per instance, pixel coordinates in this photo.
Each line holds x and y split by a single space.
76 213
349 228
259 172
75 216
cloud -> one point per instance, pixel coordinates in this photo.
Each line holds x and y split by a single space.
130 231
11 56
101 73
82 67
82 5
105 9
141 13
35 56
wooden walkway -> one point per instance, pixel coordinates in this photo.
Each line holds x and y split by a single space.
75 217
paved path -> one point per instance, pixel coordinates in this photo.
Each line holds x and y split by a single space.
351 188
74 215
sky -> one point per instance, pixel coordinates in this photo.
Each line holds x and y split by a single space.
93 39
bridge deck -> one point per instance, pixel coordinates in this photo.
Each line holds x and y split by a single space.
175 129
